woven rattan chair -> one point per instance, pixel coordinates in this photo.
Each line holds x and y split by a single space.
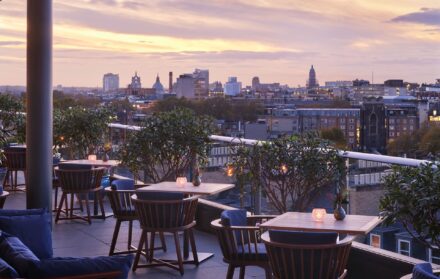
15 162
312 255
119 195
79 182
239 238
165 212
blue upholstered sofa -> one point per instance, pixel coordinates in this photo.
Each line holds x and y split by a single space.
26 251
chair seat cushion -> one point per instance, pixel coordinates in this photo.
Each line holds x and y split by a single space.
32 227
7 271
122 184
16 254
303 238
244 253
159 196
423 271
57 267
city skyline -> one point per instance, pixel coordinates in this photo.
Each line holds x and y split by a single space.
277 40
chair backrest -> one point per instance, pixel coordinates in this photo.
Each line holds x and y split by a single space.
15 158
79 180
119 194
325 258
238 236
162 213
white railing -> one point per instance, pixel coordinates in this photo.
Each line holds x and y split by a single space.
345 154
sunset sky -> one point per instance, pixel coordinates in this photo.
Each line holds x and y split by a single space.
276 40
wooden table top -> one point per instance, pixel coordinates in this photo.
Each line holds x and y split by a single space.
188 188
96 163
299 221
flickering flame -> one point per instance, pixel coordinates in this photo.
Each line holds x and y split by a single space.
318 214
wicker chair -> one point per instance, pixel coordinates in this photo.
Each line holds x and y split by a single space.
307 255
119 195
165 212
239 237
79 182
15 162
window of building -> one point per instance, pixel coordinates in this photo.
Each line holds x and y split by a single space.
342 127
391 127
351 127
375 240
351 140
434 256
404 247
351 134
351 120
391 134
392 121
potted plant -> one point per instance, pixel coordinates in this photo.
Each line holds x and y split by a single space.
290 170
412 198
167 145
12 128
79 130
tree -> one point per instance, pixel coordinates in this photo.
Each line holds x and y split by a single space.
412 198
13 120
336 136
80 130
290 170
167 144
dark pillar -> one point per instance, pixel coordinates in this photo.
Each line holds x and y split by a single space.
39 104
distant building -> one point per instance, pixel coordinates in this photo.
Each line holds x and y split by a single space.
193 86
401 120
394 83
232 87
170 82
339 83
255 83
158 87
216 88
201 79
360 82
373 133
185 86
312 82
135 82
110 82
134 88
288 121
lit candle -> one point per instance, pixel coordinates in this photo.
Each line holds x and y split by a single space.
181 181
230 171
318 214
92 157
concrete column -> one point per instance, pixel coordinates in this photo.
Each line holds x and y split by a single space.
39 104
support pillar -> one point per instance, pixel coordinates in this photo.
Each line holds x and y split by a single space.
39 104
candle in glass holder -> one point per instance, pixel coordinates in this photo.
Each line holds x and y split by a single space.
181 181
318 214
92 157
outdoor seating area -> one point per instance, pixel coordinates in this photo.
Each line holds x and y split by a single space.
157 224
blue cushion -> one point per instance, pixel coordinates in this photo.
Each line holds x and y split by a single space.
32 227
17 254
423 271
122 184
57 267
294 237
250 254
70 166
234 217
7 271
159 196
1 189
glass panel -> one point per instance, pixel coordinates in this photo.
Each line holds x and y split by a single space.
375 240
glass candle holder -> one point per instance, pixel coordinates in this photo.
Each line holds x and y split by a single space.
318 214
92 157
181 181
